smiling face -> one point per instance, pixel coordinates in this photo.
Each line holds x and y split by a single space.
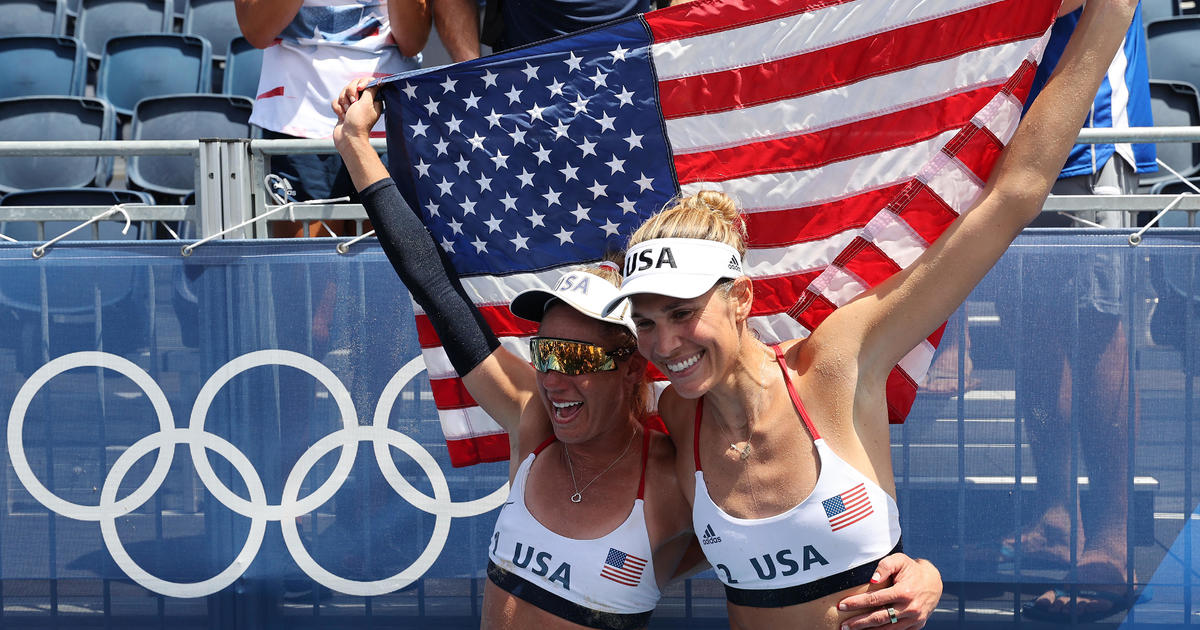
585 406
694 342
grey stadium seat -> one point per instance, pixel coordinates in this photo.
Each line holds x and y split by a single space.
45 118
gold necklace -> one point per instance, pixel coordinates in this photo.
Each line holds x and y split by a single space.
578 496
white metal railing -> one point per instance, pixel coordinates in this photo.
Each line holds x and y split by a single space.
230 173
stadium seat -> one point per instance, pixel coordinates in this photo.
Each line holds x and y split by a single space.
103 230
214 20
1173 47
242 66
76 197
45 118
32 17
1174 104
135 67
183 117
42 65
1158 9
101 19
87 302
1175 187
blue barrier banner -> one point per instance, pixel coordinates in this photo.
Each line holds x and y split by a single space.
246 438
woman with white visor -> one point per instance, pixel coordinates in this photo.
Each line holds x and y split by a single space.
595 524
785 448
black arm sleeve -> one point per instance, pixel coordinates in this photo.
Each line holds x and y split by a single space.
434 284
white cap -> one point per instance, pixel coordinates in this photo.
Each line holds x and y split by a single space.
583 291
678 267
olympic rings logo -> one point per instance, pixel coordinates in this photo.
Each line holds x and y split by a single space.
257 509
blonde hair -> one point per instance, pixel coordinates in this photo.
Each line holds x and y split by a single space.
709 214
610 270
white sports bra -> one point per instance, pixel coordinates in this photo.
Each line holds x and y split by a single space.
605 582
831 541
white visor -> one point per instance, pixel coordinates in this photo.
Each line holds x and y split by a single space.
583 291
678 267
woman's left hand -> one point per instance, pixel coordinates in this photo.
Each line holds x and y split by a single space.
915 591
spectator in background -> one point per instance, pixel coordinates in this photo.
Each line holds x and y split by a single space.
942 379
1097 370
312 49
511 23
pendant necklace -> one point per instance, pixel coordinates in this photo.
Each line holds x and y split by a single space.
578 496
744 451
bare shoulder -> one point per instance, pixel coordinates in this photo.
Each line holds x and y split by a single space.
827 377
827 356
678 415
675 410
661 458
664 496
534 429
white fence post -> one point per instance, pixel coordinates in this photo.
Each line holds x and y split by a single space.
208 188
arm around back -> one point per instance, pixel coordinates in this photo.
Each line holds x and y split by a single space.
262 21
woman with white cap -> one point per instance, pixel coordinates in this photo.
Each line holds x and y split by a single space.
786 447
596 523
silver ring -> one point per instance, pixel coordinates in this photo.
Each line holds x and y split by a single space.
892 614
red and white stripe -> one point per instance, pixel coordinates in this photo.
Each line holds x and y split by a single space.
858 507
629 575
851 132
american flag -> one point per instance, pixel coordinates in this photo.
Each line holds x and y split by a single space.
848 507
623 568
851 132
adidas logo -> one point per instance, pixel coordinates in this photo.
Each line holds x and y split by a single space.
734 264
710 537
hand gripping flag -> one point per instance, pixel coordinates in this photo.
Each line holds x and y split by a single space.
850 132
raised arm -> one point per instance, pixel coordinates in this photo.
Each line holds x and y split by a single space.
410 22
889 320
262 21
501 382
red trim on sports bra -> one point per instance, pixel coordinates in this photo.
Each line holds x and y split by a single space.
645 459
812 430
543 445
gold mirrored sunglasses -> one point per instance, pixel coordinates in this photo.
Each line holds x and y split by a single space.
573 357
